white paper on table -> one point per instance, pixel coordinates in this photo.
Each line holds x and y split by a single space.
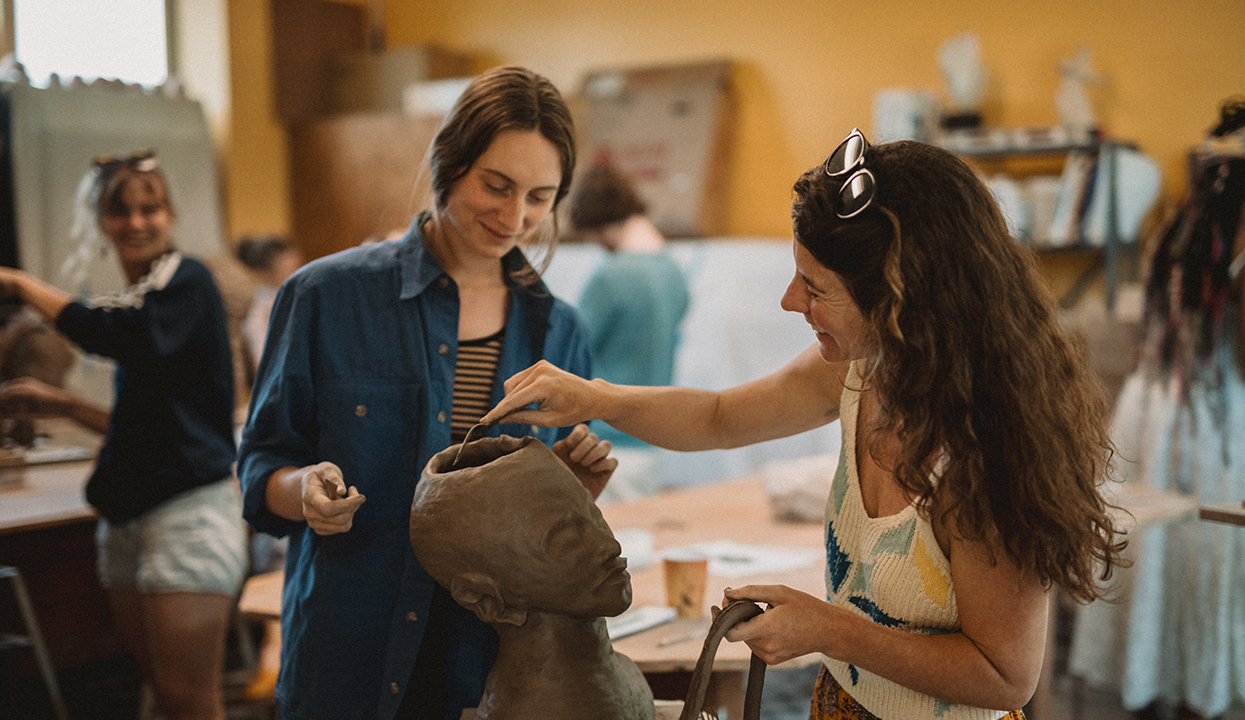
638 618
728 558
637 547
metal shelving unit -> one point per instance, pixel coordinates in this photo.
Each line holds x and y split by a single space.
1107 256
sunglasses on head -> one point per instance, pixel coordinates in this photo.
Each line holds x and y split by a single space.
848 159
139 160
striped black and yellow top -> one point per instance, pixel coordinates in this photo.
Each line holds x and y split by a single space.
474 374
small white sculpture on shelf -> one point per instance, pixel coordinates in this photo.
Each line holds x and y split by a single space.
904 114
964 72
1076 113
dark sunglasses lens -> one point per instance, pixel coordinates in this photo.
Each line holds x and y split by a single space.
846 155
855 195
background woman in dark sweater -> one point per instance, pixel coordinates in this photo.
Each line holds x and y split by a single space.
171 541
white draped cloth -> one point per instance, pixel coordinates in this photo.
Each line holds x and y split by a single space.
1176 633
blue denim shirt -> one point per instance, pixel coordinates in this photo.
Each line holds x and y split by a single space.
358 370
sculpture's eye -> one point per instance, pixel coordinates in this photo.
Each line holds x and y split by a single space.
566 534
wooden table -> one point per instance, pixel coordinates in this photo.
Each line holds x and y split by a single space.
45 496
47 492
736 510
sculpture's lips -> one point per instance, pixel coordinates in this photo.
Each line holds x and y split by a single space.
616 569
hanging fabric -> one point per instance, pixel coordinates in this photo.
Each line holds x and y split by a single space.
1176 634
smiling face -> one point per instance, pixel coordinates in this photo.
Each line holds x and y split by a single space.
138 220
507 193
820 296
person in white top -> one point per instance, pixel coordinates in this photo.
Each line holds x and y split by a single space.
982 430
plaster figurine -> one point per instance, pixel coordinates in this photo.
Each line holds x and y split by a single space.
964 71
516 538
1076 112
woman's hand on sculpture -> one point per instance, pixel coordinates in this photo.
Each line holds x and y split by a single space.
561 398
588 457
789 627
328 506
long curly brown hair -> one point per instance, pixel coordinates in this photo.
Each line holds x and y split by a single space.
972 363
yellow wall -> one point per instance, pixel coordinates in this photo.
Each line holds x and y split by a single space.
808 69
257 186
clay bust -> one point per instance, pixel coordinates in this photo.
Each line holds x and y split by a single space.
517 539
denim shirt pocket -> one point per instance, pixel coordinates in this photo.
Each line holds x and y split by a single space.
373 431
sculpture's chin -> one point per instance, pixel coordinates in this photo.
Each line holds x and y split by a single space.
619 604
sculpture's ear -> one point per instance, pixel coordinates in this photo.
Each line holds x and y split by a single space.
479 593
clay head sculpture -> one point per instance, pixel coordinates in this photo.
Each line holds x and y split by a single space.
516 538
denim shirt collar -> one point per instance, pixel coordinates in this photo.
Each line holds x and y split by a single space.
420 268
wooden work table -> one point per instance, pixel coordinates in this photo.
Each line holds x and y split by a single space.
46 495
44 487
736 510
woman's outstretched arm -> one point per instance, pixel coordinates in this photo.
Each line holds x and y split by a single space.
801 396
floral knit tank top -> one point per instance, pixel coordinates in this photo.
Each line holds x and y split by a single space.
891 570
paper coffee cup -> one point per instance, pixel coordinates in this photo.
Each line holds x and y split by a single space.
686 573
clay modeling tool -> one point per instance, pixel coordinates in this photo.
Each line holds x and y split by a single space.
475 433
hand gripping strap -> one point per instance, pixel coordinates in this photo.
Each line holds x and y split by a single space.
730 616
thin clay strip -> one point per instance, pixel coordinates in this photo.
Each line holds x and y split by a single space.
475 433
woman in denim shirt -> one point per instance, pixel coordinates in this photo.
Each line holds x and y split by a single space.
370 362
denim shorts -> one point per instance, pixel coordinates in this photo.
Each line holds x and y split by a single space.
193 542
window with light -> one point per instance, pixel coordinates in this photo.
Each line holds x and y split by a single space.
121 39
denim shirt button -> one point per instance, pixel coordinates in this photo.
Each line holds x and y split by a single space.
360 410
441 416
443 349
535 429
444 282
412 617
393 688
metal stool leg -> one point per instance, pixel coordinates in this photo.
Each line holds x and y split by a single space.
34 639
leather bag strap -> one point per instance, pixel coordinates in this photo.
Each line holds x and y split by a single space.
730 616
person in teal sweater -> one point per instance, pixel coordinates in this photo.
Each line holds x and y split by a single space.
633 305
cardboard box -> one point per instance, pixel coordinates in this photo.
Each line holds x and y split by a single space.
368 82
357 176
669 130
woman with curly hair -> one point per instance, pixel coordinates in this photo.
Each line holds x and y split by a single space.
974 441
